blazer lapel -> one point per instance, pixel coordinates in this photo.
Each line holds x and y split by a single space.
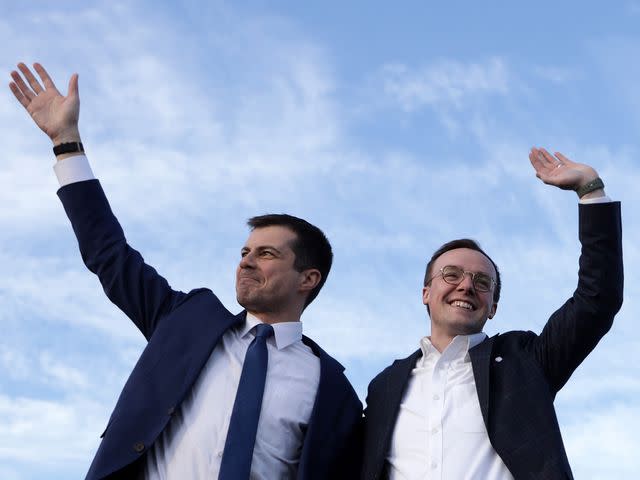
314 458
481 360
383 411
394 388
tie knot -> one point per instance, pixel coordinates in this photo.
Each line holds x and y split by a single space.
264 330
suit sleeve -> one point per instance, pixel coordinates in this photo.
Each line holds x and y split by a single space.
135 287
575 329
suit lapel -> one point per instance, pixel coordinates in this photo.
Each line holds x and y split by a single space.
480 360
315 452
388 405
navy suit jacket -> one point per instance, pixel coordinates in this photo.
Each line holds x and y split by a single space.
516 394
182 330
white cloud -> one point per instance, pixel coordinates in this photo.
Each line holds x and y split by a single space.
554 74
60 374
45 426
192 131
446 83
604 444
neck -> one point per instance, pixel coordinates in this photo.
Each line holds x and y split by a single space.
276 317
440 341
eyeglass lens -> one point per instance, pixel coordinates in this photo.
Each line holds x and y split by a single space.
454 275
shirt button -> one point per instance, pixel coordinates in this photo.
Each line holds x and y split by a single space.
434 430
219 454
434 465
436 397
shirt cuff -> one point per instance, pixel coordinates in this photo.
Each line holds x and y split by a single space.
603 199
73 169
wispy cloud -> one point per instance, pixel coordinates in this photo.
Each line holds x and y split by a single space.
609 436
445 83
554 74
192 130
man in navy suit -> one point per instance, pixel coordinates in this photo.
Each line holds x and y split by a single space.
177 412
465 406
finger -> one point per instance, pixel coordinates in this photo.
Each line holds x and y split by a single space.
533 158
73 86
542 171
24 89
24 101
564 159
35 85
46 79
541 162
549 160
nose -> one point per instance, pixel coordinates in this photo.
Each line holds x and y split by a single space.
467 283
247 261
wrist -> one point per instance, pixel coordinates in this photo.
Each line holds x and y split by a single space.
591 189
68 136
595 194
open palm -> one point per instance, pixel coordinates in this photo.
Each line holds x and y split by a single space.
54 113
559 171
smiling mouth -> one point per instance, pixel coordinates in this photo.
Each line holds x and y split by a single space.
463 305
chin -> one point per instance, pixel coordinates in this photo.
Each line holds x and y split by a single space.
245 301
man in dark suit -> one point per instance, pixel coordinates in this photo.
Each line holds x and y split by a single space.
213 395
465 406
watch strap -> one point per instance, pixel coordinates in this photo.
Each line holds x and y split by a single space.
592 186
70 147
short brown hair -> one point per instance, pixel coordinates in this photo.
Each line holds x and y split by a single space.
311 247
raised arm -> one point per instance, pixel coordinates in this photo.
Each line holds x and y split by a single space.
135 287
575 328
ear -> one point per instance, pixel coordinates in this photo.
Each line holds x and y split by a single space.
425 294
309 279
493 310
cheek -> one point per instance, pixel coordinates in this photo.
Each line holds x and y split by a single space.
488 304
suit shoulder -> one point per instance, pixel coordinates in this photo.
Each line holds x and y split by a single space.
202 299
325 359
514 339
391 369
332 370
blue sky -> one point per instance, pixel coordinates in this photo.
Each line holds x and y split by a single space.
394 127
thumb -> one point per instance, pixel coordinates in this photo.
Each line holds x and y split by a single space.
73 86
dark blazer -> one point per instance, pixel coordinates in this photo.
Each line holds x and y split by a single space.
182 330
516 394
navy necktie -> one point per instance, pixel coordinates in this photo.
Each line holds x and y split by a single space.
241 437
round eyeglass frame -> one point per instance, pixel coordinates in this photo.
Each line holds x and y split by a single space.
464 272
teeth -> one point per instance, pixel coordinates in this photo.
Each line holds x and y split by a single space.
458 303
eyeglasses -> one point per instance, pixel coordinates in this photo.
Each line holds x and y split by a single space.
454 275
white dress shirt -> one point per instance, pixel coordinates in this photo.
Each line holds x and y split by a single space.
440 433
192 444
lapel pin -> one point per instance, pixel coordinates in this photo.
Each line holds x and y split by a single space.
498 359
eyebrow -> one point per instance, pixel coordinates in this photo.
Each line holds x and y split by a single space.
261 248
464 269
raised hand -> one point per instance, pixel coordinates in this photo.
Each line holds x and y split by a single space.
56 115
559 171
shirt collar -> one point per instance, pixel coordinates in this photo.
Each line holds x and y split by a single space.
285 333
459 346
